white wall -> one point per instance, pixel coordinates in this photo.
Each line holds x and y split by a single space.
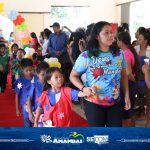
27 5
104 10
31 9
99 9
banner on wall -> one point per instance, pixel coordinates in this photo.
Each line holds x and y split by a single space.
75 138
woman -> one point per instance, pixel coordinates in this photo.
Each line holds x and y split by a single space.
104 66
34 42
143 50
132 70
47 33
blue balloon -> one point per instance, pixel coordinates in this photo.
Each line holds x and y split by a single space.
13 15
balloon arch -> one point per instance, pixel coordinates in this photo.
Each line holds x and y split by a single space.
20 25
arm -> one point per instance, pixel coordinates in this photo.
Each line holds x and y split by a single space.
65 27
31 116
18 113
70 54
51 50
37 116
75 79
124 81
146 72
64 49
129 71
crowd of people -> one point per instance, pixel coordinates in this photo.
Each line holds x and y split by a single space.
105 70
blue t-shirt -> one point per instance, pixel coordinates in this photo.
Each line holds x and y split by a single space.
55 96
104 73
35 92
23 86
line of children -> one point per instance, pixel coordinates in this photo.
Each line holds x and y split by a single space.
37 89
16 66
4 66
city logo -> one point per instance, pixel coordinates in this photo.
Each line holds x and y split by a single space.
74 138
98 139
46 138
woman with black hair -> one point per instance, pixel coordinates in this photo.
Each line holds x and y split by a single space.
47 33
143 51
132 70
34 41
104 66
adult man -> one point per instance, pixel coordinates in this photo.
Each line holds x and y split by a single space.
57 47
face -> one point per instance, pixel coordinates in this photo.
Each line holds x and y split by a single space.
20 54
28 72
56 80
15 49
2 51
56 29
41 76
137 35
141 40
105 37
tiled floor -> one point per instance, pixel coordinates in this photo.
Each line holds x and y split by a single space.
78 109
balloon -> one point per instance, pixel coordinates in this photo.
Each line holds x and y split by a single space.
114 26
13 15
19 20
1 7
22 27
53 62
25 40
25 46
25 33
29 52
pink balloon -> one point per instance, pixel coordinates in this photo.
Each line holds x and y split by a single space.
25 34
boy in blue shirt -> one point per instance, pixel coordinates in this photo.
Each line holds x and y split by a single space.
23 87
36 89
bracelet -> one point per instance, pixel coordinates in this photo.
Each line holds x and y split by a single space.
82 88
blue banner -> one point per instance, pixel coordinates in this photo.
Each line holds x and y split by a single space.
75 138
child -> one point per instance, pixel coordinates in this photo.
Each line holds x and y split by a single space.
22 88
37 90
14 49
56 100
35 60
16 67
4 61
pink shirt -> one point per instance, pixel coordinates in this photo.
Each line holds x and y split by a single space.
129 57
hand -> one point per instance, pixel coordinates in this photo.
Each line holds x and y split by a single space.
81 45
145 68
127 103
35 124
1 68
31 117
17 65
18 113
94 89
88 91
58 53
